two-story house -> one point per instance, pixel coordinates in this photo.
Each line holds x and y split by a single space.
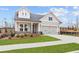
28 22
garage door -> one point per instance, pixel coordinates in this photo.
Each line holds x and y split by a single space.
49 30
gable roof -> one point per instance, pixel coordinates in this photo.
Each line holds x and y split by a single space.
35 17
22 9
55 17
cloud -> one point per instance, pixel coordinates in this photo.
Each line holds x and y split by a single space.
59 11
75 13
76 7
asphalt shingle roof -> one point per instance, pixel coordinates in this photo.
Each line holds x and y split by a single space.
35 17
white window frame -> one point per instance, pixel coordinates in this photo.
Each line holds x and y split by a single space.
20 27
50 19
26 27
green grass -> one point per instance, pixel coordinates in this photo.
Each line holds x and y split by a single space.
28 40
48 49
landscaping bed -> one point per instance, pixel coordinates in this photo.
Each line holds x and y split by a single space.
48 49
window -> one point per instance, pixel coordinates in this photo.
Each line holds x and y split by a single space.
25 14
22 13
26 27
50 18
21 27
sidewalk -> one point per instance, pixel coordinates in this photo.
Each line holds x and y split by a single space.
30 45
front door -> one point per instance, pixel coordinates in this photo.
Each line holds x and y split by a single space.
35 28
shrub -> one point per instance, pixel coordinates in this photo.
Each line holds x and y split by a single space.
31 35
22 36
12 34
25 34
0 36
9 37
3 35
17 35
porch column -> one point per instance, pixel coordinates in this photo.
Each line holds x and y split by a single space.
39 27
16 27
31 27
23 27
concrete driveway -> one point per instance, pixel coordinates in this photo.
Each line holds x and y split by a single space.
66 38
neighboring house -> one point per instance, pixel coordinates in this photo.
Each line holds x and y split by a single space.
28 22
69 30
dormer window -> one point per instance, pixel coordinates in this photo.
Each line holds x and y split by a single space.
23 13
50 18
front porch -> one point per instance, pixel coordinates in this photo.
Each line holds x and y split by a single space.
27 27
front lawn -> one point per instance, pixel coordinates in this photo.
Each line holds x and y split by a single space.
48 49
28 40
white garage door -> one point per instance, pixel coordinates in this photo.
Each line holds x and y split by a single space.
49 30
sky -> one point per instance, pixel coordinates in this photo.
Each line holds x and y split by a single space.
66 14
